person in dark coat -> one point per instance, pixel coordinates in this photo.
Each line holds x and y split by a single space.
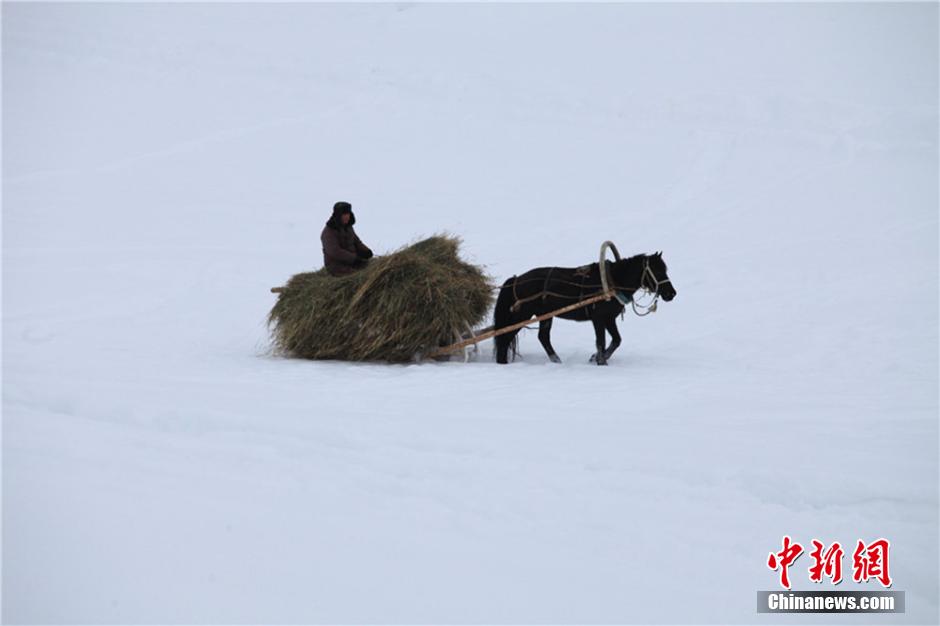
343 251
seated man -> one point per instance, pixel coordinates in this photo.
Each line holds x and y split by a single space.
343 251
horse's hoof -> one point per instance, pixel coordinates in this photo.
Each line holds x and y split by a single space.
554 358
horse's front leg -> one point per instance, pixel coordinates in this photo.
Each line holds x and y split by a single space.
611 327
545 337
600 340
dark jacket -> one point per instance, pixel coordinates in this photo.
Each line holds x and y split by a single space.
343 251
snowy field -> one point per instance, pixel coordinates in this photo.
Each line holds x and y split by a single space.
164 165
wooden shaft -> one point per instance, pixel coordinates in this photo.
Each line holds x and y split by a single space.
277 289
508 329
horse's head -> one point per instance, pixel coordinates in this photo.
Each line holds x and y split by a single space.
655 277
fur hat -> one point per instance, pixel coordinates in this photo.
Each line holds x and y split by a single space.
340 209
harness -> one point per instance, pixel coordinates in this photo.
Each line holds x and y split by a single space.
648 282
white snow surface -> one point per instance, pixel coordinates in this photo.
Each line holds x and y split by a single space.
165 164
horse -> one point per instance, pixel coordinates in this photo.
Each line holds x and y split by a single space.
546 289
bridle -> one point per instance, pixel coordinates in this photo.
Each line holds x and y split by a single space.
647 270
655 282
642 309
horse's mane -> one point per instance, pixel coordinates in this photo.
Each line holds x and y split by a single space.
636 258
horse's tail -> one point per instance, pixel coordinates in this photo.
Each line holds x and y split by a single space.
502 316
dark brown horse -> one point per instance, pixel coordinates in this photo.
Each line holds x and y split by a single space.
546 289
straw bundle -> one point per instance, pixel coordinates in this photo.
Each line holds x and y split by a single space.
400 306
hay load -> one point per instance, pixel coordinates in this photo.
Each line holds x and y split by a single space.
401 305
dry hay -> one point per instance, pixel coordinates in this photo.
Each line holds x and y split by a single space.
397 308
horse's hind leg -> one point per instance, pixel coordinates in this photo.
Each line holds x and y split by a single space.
545 337
611 327
600 339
